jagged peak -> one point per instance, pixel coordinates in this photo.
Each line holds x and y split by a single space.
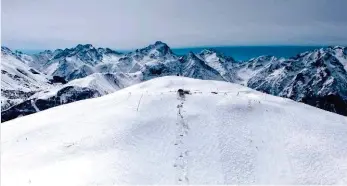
84 46
163 48
320 51
210 51
58 50
188 56
46 52
58 53
108 51
192 56
159 43
263 58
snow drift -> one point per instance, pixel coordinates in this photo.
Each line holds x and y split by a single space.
220 133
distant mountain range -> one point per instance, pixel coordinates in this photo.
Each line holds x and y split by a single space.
35 82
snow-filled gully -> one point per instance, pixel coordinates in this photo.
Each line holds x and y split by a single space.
182 151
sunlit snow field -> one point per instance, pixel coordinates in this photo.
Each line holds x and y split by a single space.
221 133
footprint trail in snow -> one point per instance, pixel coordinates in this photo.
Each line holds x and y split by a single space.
182 152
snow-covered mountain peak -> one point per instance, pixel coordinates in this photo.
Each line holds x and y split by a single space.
260 62
84 46
193 66
108 51
80 61
158 49
160 44
215 54
84 52
209 52
263 58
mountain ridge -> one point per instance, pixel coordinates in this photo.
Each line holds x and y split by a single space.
317 77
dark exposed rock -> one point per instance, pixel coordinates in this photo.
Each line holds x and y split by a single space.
58 79
66 95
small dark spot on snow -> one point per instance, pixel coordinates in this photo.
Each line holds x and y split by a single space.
67 146
182 92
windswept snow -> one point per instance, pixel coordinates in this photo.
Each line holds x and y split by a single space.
147 134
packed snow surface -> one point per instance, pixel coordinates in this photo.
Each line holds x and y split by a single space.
221 133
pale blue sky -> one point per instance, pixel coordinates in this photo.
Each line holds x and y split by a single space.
126 24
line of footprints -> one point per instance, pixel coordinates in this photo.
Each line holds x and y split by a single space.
181 149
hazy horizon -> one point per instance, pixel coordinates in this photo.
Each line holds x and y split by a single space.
42 24
173 48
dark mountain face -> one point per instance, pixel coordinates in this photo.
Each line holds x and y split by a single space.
317 78
66 95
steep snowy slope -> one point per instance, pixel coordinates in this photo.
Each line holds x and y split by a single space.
18 80
224 65
194 67
38 60
17 75
92 86
221 133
